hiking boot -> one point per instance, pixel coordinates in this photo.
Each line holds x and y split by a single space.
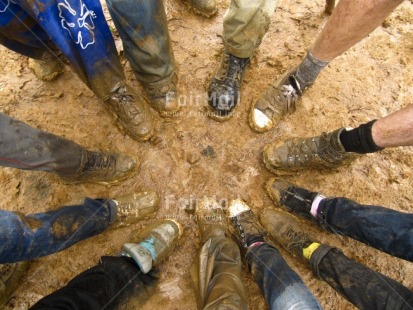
205 8
279 99
291 197
131 113
244 224
155 243
104 168
10 276
286 230
134 207
324 151
223 92
210 219
163 96
48 67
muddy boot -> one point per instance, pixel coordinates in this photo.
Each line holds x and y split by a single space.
286 230
210 218
291 197
324 151
205 8
48 67
131 113
134 207
104 168
244 224
279 99
155 243
163 96
10 276
223 92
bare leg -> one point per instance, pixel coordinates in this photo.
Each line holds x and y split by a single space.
351 21
395 129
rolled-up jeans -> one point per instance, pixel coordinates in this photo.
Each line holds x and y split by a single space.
387 230
245 25
25 237
28 148
281 286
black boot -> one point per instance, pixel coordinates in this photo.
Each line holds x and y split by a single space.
223 92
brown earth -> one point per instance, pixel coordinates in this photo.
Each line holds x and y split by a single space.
369 81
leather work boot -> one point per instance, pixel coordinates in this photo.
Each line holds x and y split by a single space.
104 168
163 96
279 99
48 67
210 218
244 224
292 198
10 276
205 8
134 207
155 243
285 230
324 151
131 113
223 92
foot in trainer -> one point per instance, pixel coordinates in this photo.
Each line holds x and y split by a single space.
210 218
104 168
324 151
244 225
48 67
10 277
163 96
134 207
154 244
223 92
294 199
131 112
286 230
205 8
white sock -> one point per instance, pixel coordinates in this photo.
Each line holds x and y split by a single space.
315 204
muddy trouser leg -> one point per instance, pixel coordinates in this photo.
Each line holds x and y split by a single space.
281 286
111 282
362 286
25 147
217 275
25 237
245 24
79 30
384 229
143 29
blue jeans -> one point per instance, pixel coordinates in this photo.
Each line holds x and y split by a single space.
25 237
384 229
281 286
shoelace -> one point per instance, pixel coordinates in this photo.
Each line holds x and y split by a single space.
297 240
126 103
99 161
233 67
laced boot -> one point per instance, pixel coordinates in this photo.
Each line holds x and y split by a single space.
155 243
131 113
324 151
10 277
105 168
48 67
210 219
223 92
163 96
132 208
244 224
278 100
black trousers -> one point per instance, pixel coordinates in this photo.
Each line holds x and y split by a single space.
112 283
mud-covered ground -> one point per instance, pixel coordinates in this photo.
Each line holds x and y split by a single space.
369 81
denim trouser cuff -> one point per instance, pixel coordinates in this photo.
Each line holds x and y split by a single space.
317 257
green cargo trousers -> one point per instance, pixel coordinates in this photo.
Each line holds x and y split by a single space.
245 24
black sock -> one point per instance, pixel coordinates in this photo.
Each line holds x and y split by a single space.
359 140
